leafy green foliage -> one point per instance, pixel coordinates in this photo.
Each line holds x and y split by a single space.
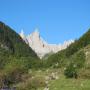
71 71
78 44
62 57
77 62
58 58
12 45
16 57
78 59
12 41
73 57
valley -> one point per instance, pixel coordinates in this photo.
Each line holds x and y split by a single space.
20 66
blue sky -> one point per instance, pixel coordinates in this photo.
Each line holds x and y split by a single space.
57 20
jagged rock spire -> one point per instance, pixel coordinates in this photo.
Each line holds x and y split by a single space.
40 46
22 33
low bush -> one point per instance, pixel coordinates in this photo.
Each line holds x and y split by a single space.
71 71
32 84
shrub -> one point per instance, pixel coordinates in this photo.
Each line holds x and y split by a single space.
78 59
32 84
71 71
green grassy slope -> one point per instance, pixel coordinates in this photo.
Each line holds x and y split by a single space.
20 66
62 56
70 84
16 57
12 46
81 83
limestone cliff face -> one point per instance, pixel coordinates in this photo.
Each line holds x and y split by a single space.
40 46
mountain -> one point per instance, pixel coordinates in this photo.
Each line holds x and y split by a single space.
12 46
72 62
73 48
9 39
20 66
40 46
16 57
75 59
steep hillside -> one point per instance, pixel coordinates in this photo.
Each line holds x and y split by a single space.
10 40
71 50
20 66
78 44
77 68
16 57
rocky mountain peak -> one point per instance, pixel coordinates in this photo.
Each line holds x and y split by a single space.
36 32
40 46
22 34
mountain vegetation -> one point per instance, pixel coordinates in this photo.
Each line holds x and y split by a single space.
16 57
73 58
21 68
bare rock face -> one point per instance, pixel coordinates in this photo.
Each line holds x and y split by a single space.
23 36
40 46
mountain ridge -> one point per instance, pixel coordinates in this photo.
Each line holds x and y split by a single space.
40 46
